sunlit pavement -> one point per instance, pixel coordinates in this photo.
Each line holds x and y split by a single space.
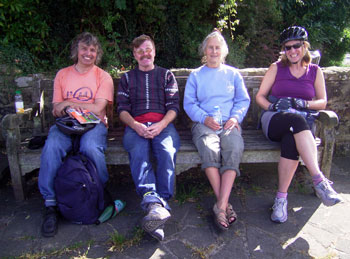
312 230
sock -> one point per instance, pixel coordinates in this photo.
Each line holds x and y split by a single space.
317 178
280 195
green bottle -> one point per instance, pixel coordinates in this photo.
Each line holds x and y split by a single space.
111 211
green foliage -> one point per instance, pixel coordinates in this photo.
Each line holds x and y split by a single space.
227 12
227 22
119 242
259 30
18 60
192 186
36 35
236 56
187 23
23 23
326 21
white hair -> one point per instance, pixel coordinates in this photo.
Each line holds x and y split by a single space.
223 45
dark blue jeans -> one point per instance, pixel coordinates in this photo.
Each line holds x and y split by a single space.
153 186
92 144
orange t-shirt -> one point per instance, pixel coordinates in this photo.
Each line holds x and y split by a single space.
70 85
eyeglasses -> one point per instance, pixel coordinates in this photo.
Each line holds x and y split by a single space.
141 51
295 46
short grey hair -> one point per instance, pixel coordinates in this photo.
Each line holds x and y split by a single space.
224 47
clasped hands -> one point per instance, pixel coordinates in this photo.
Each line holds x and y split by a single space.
149 132
230 124
285 103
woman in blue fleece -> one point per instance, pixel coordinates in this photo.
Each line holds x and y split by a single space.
210 85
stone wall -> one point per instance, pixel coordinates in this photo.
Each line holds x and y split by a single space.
337 83
338 91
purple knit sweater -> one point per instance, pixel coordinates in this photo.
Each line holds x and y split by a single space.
141 92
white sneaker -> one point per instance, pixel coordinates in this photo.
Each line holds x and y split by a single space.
279 213
156 217
326 193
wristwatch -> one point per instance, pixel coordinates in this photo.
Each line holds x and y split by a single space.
307 104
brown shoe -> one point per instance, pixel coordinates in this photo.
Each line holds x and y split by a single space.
220 217
231 214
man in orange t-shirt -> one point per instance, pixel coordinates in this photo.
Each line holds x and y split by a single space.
80 86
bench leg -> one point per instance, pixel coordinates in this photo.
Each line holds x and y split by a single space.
328 149
17 181
12 156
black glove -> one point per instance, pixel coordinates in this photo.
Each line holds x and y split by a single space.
281 104
299 103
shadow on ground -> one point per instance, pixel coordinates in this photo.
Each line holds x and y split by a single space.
312 230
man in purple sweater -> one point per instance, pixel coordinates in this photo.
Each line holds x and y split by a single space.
148 102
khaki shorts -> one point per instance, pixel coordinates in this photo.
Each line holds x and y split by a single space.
223 151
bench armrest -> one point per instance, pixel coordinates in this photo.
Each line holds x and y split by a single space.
329 119
12 121
11 130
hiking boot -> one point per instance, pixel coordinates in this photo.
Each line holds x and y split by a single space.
156 217
158 233
326 193
49 226
279 213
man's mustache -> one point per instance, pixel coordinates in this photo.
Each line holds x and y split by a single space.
146 56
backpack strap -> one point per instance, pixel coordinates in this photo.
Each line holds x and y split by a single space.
75 144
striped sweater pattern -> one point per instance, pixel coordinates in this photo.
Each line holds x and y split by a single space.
141 92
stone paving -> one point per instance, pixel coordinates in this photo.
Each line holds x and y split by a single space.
312 230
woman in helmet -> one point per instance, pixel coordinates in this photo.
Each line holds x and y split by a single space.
291 88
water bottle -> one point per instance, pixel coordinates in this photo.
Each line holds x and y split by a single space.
19 102
217 116
119 205
110 212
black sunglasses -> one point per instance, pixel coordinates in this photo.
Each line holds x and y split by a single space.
295 46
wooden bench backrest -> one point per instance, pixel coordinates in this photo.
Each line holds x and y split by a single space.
182 122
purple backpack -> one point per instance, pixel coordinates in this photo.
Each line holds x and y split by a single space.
79 190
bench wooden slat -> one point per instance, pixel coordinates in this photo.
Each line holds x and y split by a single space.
257 150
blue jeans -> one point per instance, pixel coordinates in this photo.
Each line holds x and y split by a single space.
92 144
153 186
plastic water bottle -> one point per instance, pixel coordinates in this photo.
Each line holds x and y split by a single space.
218 117
119 205
19 102
111 211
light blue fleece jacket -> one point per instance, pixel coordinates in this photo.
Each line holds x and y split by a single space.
207 87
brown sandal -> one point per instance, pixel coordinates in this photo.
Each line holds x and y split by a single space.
230 213
220 217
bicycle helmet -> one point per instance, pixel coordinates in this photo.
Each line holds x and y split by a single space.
71 126
293 33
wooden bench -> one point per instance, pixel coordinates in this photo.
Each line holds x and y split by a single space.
257 149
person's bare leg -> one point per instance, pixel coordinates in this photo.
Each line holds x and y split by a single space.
222 188
307 149
227 180
214 179
286 170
